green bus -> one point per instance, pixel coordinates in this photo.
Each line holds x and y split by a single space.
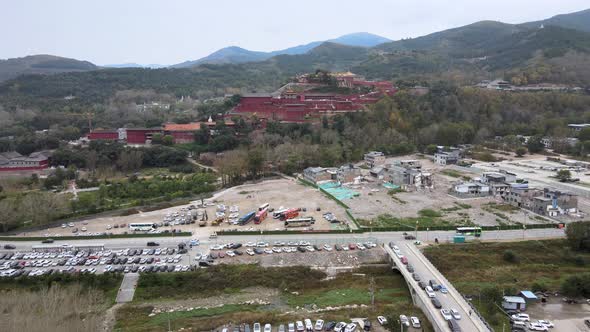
469 231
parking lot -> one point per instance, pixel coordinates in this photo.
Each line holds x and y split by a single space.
236 202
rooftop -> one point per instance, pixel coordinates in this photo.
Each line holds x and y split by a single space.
514 299
193 126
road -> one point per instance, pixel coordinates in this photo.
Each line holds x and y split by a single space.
127 289
383 237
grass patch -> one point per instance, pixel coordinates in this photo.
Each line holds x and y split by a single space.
243 192
503 207
452 173
392 193
387 220
429 213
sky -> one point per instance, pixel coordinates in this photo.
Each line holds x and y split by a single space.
173 31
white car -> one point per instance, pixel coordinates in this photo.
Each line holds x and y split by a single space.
277 250
340 327
350 327
538 327
300 326
521 317
327 247
250 244
430 292
250 252
84 229
267 328
308 324
404 320
415 322
109 226
319 325
446 313
456 315
546 323
267 251
63 225
382 320
256 327
230 253
291 327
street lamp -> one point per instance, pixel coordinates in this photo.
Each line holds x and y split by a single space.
416 235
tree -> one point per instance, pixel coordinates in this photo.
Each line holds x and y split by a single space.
255 162
563 175
584 134
576 286
168 140
510 257
535 145
578 235
431 149
520 151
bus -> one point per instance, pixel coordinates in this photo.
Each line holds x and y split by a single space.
146 226
260 216
469 231
246 218
299 222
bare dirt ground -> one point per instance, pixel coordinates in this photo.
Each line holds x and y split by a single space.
324 259
374 200
566 317
278 193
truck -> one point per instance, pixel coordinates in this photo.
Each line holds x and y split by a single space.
299 222
261 215
217 221
289 214
246 218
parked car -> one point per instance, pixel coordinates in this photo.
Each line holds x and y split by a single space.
538 327
308 324
300 326
330 326
319 325
416 276
546 323
521 317
367 325
350 327
403 319
446 313
415 322
282 328
267 328
256 327
436 303
340 327
410 268
422 284
456 315
382 320
291 327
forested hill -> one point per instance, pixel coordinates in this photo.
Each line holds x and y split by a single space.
41 64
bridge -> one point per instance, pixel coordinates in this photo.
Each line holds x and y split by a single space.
470 320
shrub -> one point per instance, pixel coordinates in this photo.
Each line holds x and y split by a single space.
510 257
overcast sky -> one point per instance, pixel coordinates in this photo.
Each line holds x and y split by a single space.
172 31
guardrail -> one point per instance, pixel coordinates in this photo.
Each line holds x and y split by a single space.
114 236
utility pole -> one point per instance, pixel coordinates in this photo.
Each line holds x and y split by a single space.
372 290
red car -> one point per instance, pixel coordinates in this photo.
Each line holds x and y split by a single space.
404 260
352 246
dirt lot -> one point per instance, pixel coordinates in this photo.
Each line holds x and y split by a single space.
566 317
374 201
278 193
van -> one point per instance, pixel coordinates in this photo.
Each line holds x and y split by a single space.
453 325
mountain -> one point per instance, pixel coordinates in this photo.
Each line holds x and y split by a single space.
41 64
577 21
134 65
362 39
234 54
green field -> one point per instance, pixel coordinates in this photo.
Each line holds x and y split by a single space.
296 287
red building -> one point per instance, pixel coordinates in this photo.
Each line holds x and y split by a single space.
13 161
182 133
141 135
106 135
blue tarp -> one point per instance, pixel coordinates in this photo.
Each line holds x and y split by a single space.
336 190
528 295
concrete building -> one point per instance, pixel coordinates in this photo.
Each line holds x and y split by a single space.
513 303
408 164
347 173
318 174
446 158
374 158
471 189
554 203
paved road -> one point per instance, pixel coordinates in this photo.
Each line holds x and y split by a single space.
451 300
127 289
425 236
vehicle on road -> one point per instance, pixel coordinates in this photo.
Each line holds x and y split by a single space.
382 320
446 313
453 325
469 231
47 241
443 289
430 292
152 244
416 276
455 313
9 246
436 303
